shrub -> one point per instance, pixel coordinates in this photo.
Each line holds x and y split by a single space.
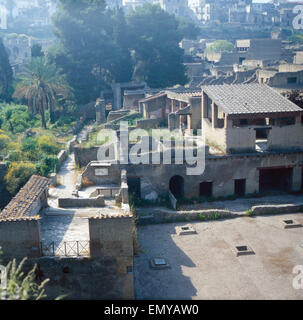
4 141
17 175
201 217
17 119
48 146
30 148
249 212
48 164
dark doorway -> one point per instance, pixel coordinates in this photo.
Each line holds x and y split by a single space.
279 179
134 186
262 133
206 189
240 187
176 186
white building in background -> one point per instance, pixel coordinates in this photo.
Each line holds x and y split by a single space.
177 7
196 6
3 18
114 3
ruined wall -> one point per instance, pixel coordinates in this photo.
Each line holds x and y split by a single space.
95 202
195 104
110 175
288 67
20 238
148 123
286 137
83 156
112 238
269 49
280 79
153 106
240 139
216 136
221 170
83 278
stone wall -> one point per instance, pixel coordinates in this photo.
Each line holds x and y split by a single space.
20 238
95 202
83 156
98 175
62 156
220 170
286 137
148 123
84 278
112 238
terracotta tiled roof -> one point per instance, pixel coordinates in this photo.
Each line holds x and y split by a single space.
22 204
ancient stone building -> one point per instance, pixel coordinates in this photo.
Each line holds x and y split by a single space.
253 145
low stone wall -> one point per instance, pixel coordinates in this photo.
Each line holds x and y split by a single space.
114 115
106 192
81 202
276 209
20 238
163 215
71 144
148 123
168 216
62 156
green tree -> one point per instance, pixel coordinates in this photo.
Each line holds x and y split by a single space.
6 75
40 84
188 29
17 175
220 46
155 44
88 52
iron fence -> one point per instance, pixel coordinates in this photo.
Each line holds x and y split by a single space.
65 249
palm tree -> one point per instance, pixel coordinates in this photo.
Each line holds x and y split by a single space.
40 84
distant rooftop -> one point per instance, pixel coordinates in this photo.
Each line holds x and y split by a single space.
244 99
22 205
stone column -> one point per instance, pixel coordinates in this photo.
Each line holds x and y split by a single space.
228 123
296 178
204 105
188 122
298 119
172 121
100 111
214 115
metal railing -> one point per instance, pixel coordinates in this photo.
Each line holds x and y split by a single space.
66 249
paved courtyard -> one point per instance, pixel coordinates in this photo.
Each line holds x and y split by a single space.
205 266
69 225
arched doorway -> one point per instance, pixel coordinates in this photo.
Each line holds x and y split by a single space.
176 186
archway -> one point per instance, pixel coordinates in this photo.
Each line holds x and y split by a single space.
176 186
